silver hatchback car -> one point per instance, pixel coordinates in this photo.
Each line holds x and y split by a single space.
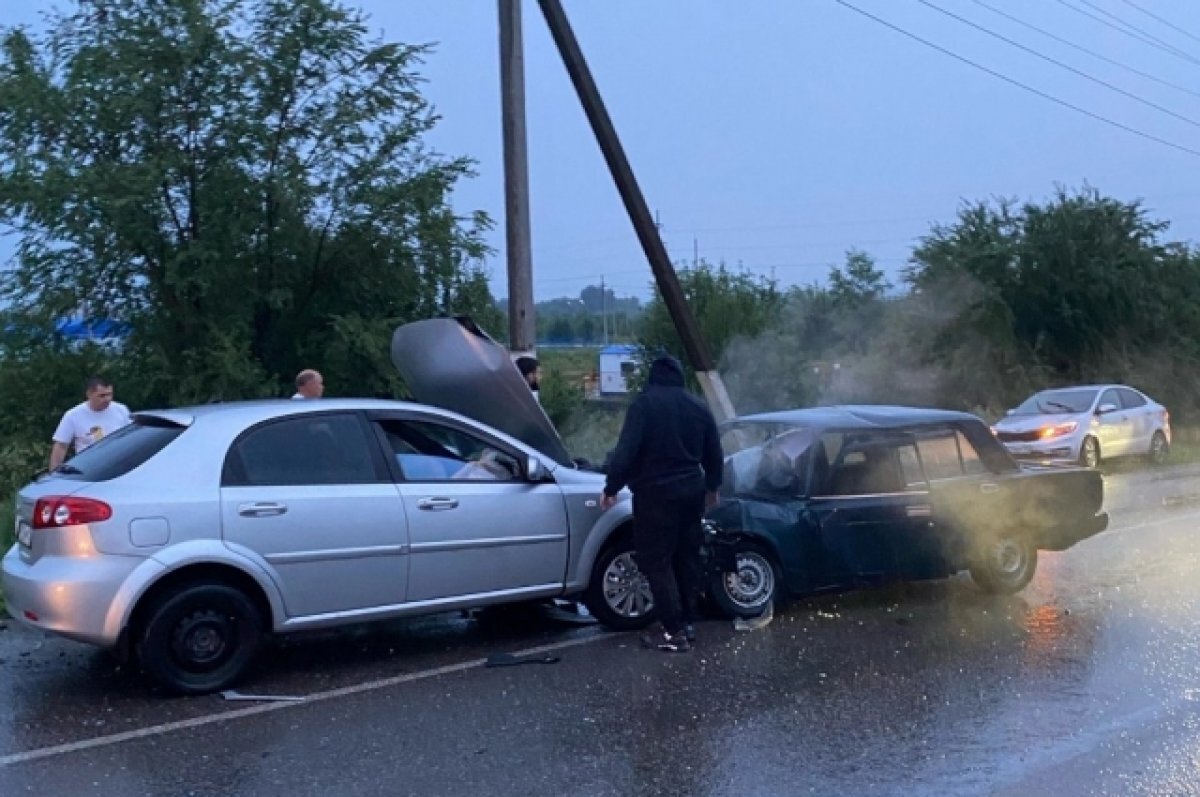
187 536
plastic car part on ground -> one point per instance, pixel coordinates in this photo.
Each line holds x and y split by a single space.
755 623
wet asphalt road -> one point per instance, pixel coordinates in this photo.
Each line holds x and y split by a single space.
1087 683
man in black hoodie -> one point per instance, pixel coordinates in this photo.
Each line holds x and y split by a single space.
669 454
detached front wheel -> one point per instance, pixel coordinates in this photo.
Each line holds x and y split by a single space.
1005 564
200 638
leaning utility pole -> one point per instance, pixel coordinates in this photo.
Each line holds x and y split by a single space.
522 323
639 212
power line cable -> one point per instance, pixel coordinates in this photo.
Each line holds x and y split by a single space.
1130 31
1127 24
1060 64
1154 16
1019 84
1083 49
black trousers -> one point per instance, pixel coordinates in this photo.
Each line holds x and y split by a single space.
667 538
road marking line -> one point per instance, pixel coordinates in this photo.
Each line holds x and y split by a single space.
345 691
250 711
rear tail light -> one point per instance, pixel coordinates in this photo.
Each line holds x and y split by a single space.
54 511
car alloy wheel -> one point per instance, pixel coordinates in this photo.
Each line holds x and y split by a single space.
1159 449
626 590
618 594
1089 457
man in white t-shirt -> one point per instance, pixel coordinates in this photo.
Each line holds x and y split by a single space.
86 423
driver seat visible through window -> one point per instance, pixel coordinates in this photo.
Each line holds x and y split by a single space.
866 470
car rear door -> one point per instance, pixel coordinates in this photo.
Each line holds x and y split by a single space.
1142 419
478 526
966 496
310 494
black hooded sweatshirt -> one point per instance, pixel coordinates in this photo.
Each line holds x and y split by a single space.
669 444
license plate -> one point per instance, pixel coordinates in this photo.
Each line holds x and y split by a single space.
24 534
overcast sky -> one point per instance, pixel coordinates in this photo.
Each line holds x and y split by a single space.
774 135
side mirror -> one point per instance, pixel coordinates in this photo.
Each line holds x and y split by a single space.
535 471
1105 409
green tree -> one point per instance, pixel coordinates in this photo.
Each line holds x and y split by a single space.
1081 288
726 305
245 182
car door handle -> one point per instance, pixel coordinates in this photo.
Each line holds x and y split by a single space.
437 504
261 509
919 510
988 487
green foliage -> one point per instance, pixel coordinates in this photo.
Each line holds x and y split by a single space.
245 183
1004 301
726 305
560 396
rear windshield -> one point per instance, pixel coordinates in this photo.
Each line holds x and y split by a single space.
120 452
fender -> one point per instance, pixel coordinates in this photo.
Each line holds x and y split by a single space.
597 537
177 557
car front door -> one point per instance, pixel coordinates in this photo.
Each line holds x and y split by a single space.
312 496
1115 426
874 513
478 525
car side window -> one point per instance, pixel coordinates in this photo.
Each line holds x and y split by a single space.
872 465
1109 397
303 450
940 456
433 452
1130 399
973 465
910 467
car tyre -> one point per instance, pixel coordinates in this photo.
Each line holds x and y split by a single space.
618 594
200 638
1005 565
749 590
1089 453
1160 449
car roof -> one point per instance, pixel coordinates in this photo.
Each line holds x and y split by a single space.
862 416
250 411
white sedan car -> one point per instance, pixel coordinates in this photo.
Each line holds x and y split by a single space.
1087 424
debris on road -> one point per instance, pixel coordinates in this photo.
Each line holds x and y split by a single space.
232 694
755 623
509 660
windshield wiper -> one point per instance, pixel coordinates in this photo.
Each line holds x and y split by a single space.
1061 406
68 470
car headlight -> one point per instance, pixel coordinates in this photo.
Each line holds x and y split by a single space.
1049 432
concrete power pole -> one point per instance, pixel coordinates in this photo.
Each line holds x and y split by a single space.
522 321
639 212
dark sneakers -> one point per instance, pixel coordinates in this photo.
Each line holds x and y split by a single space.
668 643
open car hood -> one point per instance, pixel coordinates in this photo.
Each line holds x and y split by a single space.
451 363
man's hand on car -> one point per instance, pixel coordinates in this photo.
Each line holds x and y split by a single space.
607 501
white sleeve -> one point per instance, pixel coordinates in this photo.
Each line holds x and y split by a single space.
64 434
